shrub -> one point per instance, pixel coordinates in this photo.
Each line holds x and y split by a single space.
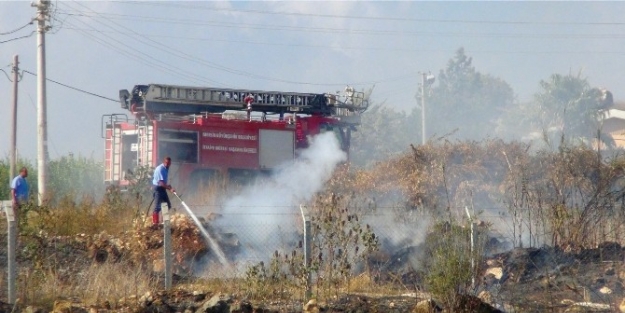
447 264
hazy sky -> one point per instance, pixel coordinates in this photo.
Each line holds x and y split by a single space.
102 47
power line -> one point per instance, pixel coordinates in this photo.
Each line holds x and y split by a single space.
17 38
16 30
6 74
332 30
179 5
157 45
290 45
138 55
73 88
188 57
146 39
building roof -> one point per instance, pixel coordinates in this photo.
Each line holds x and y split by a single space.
619 105
615 113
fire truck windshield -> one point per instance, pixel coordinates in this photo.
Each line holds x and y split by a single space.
180 145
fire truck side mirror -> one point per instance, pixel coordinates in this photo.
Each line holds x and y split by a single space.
124 97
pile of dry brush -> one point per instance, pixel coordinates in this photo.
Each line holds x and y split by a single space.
573 196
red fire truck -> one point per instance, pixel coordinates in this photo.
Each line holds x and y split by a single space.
233 133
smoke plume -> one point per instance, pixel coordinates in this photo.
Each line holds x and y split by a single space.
266 216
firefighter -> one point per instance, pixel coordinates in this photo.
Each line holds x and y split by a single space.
249 100
19 191
160 186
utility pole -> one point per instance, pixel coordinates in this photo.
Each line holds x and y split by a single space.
13 156
423 136
42 132
8 205
427 79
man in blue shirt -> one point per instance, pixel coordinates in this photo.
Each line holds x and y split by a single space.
160 186
19 190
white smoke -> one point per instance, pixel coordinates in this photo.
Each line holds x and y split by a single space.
293 183
266 215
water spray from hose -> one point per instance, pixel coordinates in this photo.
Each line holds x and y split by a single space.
211 241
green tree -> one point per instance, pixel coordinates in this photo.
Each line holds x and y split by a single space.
569 108
465 102
75 177
383 132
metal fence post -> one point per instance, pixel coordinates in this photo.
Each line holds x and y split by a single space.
473 235
167 245
307 249
11 250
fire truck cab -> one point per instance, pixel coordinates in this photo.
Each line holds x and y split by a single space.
218 131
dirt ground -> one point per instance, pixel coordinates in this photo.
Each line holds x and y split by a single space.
520 280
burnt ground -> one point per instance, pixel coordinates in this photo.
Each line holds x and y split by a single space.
543 279
550 279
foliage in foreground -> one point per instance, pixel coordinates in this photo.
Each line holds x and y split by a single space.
572 196
450 264
47 236
341 244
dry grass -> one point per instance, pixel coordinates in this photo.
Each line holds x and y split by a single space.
111 281
108 282
360 283
55 267
70 218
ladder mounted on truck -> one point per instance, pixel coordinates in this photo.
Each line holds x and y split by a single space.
171 99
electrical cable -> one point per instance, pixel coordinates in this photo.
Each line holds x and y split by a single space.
205 22
188 57
138 37
6 74
384 48
342 30
185 56
52 16
73 88
137 55
163 66
273 44
17 38
179 5
16 30
168 49
19 75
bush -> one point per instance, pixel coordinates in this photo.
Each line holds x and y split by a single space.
447 265
74 177
341 243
